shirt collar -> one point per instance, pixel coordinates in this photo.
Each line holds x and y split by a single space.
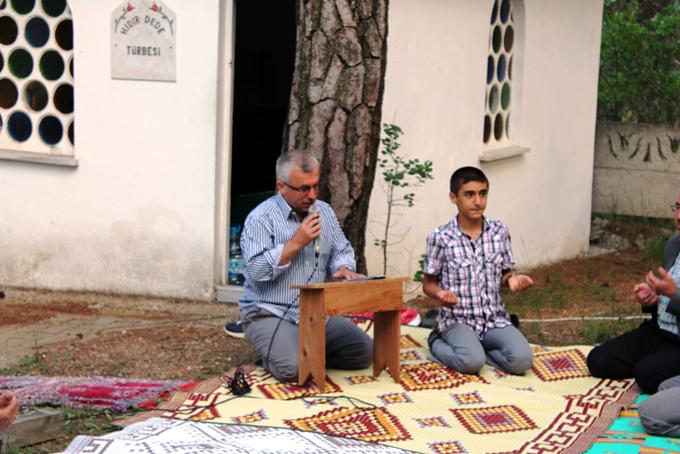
285 209
459 232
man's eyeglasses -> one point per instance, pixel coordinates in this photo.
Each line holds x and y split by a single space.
303 188
675 207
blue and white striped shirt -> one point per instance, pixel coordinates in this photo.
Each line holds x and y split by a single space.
666 320
267 285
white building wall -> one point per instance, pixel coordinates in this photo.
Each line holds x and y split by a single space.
138 213
436 75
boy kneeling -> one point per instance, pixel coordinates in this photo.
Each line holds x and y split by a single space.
468 259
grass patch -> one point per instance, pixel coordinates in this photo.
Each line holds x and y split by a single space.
599 331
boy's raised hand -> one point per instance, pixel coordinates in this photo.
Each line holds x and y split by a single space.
447 297
520 282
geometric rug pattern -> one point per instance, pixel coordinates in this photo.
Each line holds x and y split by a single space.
627 436
554 407
168 436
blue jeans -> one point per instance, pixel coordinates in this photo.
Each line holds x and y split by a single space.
460 349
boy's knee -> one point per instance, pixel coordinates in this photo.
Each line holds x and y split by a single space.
463 363
521 362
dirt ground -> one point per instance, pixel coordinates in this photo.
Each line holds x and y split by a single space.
185 339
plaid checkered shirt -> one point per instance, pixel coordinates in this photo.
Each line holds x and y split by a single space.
473 270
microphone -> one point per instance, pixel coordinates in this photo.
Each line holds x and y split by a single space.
313 208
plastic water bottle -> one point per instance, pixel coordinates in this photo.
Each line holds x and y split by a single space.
236 264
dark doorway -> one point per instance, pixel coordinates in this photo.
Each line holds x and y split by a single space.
264 58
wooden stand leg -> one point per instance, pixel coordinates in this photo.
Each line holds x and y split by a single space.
312 339
386 343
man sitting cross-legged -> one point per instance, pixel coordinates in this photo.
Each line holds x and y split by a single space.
651 352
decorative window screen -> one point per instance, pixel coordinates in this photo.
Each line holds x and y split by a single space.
501 83
36 77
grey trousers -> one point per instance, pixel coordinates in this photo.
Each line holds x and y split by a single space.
503 348
660 413
347 345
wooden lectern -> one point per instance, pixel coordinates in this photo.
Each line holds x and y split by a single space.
382 296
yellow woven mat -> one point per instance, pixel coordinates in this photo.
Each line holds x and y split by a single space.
556 407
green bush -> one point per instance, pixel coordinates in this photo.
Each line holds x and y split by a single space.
640 63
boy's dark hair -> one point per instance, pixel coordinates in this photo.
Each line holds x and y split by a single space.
465 175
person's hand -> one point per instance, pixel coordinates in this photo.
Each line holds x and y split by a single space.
664 284
447 297
309 229
520 282
9 408
346 273
645 295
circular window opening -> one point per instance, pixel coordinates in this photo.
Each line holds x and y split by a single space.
498 127
494 12
497 38
63 98
507 126
20 63
2 61
501 68
54 7
8 93
505 96
509 38
510 69
8 30
70 133
50 129
487 128
493 99
36 95
1 123
22 6
51 65
489 69
64 34
70 67
37 32
505 10
19 126
3 3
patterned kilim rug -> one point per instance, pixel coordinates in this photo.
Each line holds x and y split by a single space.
627 436
556 407
161 435
98 393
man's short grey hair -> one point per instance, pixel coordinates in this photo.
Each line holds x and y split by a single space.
299 159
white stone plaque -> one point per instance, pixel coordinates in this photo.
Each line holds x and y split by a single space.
143 36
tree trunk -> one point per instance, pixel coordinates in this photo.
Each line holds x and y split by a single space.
336 99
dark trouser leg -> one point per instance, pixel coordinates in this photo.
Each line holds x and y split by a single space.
658 367
347 345
617 357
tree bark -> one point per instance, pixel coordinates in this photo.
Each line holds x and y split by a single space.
336 100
